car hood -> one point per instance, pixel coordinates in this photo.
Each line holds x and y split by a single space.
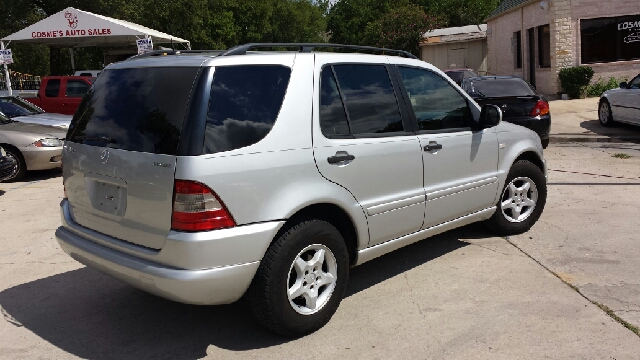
613 91
34 129
46 116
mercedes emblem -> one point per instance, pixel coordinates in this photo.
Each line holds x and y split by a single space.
104 157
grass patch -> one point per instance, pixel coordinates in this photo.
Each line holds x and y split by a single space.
615 317
621 156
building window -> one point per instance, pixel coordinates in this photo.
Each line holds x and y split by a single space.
544 46
610 39
518 47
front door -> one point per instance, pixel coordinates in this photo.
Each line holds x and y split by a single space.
532 56
75 89
365 146
460 165
630 101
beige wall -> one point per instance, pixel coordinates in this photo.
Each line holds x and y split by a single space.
448 55
563 16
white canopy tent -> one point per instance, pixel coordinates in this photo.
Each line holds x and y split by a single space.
76 28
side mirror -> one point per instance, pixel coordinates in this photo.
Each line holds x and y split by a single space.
490 116
623 85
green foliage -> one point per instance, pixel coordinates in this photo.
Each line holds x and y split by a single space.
574 80
400 28
459 12
596 89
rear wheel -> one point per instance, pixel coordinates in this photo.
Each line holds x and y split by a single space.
301 279
521 201
604 113
20 167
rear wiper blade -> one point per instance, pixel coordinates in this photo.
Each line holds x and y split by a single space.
480 93
95 138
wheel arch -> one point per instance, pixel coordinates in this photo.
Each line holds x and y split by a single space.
333 214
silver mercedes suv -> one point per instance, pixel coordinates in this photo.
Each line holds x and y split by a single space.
207 177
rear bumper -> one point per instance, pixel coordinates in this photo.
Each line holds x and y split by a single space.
42 158
540 124
220 284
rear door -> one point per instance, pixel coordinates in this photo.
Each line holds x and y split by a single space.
460 165
120 157
365 144
630 100
75 89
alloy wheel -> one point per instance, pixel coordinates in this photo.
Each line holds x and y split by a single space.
519 199
312 279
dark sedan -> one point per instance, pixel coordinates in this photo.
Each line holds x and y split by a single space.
519 102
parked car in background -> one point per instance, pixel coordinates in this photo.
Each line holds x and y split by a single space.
621 104
61 94
458 75
520 103
18 109
325 161
7 165
90 73
31 146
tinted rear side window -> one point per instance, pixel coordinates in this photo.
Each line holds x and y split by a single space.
53 88
245 102
333 120
138 109
77 88
369 98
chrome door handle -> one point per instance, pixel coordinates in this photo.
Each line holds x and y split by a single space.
432 146
340 157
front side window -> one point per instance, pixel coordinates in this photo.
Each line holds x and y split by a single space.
610 39
369 99
77 88
245 102
544 46
436 104
53 88
635 83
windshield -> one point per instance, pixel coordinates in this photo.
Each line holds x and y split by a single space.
493 87
455 75
12 107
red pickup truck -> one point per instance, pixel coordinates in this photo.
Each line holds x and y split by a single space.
61 94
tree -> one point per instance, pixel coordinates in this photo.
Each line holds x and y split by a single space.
401 28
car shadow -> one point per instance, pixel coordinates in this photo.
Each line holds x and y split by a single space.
618 131
36 175
94 316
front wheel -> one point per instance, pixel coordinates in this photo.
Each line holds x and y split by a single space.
19 168
521 201
604 113
301 279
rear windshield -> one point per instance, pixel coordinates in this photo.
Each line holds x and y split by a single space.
455 75
139 109
500 88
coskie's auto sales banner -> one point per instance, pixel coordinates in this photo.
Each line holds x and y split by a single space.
70 25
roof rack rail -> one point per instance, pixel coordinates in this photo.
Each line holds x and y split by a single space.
308 47
174 52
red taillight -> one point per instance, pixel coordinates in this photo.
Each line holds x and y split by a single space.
542 108
197 208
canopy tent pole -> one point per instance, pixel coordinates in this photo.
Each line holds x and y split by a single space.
73 63
7 78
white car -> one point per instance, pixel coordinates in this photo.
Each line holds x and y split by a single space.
23 111
621 104
272 174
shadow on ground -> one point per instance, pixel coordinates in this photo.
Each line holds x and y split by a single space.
35 175
93 316
618 131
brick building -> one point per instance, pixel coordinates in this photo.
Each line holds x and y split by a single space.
534 39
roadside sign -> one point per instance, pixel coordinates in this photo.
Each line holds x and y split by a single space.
144 45
6 57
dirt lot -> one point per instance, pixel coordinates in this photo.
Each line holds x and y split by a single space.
463 294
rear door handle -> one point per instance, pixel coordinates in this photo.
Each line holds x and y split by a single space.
340 157
432 146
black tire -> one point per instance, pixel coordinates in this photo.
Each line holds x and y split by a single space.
20 168
500 222
267 295
545 143
605 120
